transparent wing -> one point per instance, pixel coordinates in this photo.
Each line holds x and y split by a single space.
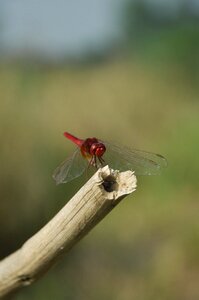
71 168
142 162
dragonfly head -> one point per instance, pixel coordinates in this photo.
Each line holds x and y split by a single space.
97 149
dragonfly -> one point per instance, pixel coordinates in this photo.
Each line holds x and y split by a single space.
97 153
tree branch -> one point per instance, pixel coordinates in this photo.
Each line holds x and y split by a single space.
92 202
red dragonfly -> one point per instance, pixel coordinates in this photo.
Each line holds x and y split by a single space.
96 153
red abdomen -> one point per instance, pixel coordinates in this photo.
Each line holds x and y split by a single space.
74 139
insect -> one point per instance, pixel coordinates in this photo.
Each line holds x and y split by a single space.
96 153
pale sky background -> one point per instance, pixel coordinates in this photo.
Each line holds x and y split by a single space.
64 27
59 26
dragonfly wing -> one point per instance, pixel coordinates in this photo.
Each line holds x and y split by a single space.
71 168
142 162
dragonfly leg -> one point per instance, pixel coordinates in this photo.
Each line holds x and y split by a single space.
101 160
93 161
96 162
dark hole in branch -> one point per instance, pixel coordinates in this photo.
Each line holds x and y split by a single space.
109 184
25 279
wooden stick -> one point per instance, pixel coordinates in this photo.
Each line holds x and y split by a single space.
92 202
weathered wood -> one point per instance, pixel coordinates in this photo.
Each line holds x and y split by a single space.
92 202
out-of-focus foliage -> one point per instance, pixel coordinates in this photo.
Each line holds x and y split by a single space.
148 247
159 36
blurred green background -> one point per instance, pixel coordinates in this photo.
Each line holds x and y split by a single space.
138 88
